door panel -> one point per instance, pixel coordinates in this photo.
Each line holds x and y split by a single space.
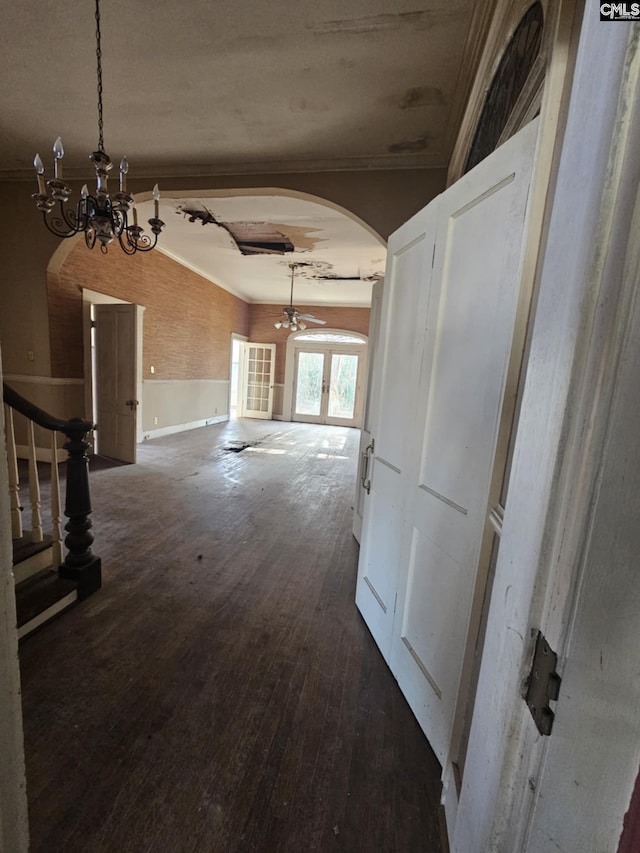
116 403
343 375
309 384
258 367
465 357
449 307
396 376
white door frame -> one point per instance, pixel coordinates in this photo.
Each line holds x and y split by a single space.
572 537
89 299
294 344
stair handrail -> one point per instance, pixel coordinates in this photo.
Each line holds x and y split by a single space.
39 416
80 564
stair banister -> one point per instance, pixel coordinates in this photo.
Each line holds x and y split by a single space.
80 564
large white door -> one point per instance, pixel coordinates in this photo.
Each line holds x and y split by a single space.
116 365
258 367
457 265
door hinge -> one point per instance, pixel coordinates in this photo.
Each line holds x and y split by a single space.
543 685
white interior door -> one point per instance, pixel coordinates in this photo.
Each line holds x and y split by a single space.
457 266
116 363
257 387
362 484
396 375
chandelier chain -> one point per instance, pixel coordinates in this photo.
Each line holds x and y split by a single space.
99 70
101 217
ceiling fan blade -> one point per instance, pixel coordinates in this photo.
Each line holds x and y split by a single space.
309 318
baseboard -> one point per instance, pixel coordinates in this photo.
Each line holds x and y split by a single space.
170 430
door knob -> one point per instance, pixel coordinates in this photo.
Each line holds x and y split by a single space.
132 404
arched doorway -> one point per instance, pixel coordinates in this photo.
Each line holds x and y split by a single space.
325 376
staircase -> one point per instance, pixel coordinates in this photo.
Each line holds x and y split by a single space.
47 581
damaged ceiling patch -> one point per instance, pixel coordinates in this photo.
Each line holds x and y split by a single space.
259 238
251 238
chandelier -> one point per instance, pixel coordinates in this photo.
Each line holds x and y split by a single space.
100 217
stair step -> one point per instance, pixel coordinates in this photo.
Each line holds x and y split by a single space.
24 548
40 598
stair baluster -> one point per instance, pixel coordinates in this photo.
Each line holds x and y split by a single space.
80 564
14 480
56 534
37 534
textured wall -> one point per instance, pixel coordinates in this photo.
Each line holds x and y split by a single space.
262 318
187 323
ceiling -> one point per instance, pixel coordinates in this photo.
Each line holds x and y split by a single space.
202 88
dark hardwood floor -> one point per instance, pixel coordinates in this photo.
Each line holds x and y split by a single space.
221 693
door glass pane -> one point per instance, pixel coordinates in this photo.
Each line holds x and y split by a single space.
309 383
342 386
258 379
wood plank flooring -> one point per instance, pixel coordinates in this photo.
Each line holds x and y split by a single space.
221 693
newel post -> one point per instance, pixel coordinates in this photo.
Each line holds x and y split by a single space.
80 564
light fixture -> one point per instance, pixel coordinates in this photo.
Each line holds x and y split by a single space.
100 217
293 319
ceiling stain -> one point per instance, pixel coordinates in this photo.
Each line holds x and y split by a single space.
374 23
410 146
300 236
422 96
309 106
322 272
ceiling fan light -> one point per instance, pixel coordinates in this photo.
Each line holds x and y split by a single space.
302 326
278 325
294 328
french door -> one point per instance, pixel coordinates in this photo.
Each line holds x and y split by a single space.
328 385
257 385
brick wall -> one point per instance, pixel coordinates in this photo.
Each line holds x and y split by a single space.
187 323
262 318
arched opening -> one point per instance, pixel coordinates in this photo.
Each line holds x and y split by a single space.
204 286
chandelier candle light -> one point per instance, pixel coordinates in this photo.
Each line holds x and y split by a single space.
98 216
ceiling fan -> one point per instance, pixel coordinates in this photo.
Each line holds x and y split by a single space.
293 319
